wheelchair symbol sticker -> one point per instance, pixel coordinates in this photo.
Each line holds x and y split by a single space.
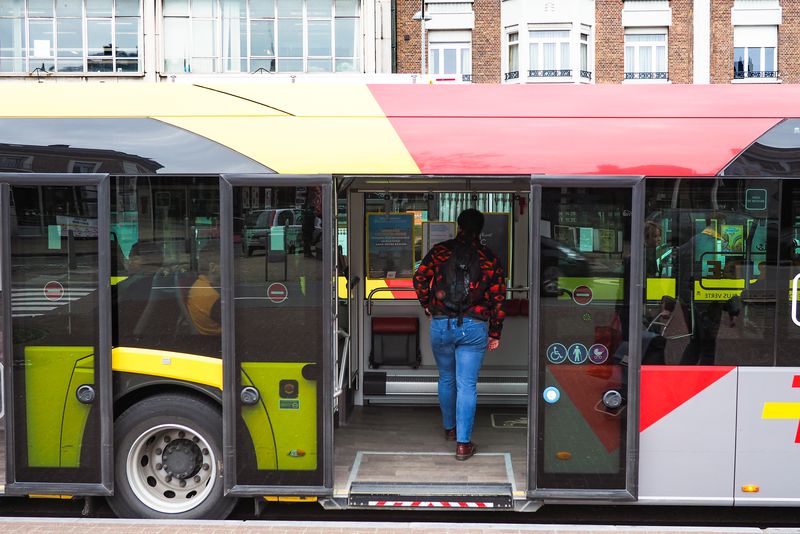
556 353
577 353
598 353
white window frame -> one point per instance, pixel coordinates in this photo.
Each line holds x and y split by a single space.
30 61
561 40
650 74
748 38
512 40
436 60
254 62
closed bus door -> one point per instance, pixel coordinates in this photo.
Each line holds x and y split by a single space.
56 267
277 334
585 344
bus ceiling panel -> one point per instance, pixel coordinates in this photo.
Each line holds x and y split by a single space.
132 146
588 101
776 153
564 146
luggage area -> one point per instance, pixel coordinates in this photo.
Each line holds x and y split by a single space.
401 451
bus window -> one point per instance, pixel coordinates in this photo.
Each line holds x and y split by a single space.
166 294
710 246
788 320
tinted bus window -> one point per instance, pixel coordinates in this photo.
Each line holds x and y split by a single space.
711 251
166 292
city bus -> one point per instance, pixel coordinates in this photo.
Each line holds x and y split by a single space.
165 351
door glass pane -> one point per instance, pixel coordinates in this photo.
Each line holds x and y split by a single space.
55 332
279 288
583 338
710 260
166 237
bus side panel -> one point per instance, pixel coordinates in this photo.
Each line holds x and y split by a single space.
767 436
687 434
50 401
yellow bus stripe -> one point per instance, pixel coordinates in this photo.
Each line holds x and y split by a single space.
781 410
188 367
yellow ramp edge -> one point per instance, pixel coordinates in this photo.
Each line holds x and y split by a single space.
309 145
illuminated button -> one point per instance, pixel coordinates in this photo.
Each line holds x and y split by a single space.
551 395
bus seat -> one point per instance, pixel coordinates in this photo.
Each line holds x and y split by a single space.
395 341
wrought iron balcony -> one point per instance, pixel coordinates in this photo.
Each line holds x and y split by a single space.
549 73
586 74
513 75
646 76
741 75
466 77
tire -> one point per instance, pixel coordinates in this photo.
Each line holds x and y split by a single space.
160 443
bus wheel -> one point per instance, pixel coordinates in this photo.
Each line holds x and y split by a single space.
168 460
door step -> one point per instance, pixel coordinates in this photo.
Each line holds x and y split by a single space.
431 496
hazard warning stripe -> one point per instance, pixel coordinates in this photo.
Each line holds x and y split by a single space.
430 504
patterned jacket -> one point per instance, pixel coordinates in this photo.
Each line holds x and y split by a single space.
490 308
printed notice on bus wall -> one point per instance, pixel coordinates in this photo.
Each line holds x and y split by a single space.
390 240
496 235
436 232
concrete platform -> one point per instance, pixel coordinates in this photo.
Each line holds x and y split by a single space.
125 526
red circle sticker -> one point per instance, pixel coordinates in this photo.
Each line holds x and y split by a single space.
582 295
53 291
277 292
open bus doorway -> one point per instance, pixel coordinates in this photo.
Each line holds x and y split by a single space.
392 443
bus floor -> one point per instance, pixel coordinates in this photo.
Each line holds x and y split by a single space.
406 444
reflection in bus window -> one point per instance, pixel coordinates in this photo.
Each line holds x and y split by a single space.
709 251
166 295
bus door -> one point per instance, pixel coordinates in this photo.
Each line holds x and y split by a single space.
56 256
586 244
278 334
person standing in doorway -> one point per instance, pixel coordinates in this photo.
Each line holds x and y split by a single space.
461 286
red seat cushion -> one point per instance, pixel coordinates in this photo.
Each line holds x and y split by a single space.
395 325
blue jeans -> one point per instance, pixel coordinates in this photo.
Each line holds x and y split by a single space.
459 354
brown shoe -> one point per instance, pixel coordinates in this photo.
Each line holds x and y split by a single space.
450 435
464 451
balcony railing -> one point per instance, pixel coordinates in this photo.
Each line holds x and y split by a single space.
513 75
466 78
741 75
549 73
646 76
586 74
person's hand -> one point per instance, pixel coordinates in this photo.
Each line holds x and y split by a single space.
493 343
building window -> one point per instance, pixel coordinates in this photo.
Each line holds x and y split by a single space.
513 56
549 53
450 58
755 53
646 54
585 72
70 36
207 36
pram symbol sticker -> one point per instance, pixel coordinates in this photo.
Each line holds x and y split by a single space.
598 353
556 353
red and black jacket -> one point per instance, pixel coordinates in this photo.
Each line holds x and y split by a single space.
490 308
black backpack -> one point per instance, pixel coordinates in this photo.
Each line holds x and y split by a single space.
461 273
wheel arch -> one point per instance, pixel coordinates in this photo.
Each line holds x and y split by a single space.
130 389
